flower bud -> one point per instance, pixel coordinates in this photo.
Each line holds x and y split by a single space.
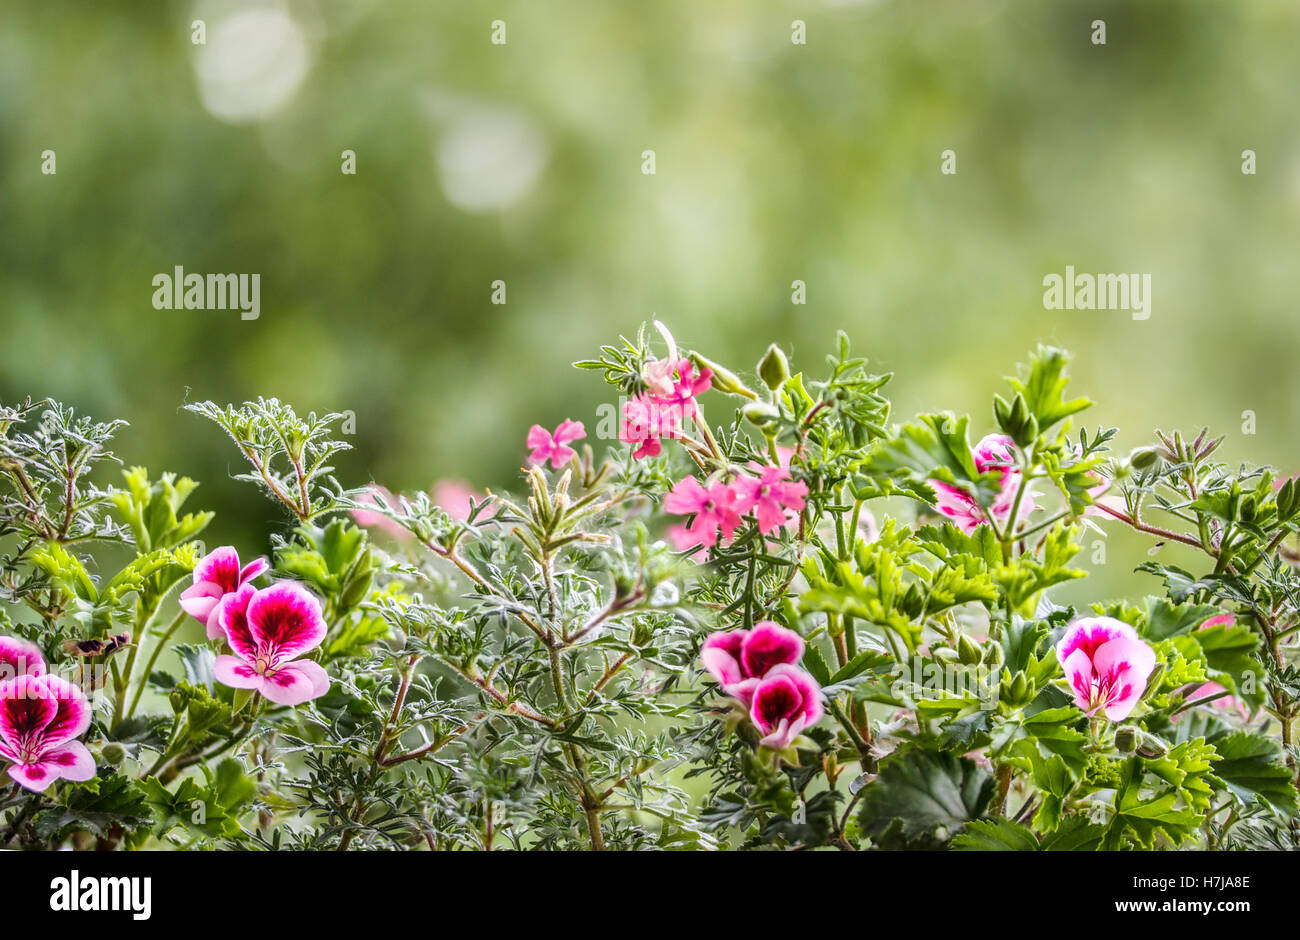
1126 738
759 413
1144 458
774 368
724 380
968 651
112 753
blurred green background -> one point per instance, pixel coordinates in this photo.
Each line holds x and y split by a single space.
523 162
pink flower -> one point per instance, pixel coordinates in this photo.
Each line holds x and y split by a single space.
215 576
785 701
674 384
268 630
1106 664
995 453
39 718
738 659
554 447
773 499
377 495
456 499
1227 703
646 422
1218 620
451 496
19 658
714 510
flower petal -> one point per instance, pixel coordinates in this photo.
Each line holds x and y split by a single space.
71 710
232 617
221 567
289 685
285 620
19 658
767 645
237 674
72 761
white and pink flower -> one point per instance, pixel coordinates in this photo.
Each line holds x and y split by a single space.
737 659
995 453
785 702
216 576
758 668
41 716
268 630
1106 665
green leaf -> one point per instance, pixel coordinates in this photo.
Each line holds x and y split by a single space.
1252 769
1044 389
922 798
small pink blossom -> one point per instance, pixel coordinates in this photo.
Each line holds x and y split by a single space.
1218 620
376 495
268 630
554 447
457 499
646 422
1226 703
714 509
773 498
675 384
1106 665
995 453
785 702
19 658
738 659
40 716
215 576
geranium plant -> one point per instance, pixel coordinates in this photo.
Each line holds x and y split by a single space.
788 624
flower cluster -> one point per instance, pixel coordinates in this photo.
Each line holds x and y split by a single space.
268 630
672 385
41 716
758 669
718 508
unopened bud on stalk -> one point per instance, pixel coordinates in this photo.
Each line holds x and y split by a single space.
968 651
759 413
1144 458
774 368
724 380
1126 738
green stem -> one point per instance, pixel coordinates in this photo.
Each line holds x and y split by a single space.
153 658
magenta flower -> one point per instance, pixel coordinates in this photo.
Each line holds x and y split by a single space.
268 630
785 701
773 498
217 575
675 384
646 422
738 659
19 658
1106 664
40 716
995 453
714 509
554 447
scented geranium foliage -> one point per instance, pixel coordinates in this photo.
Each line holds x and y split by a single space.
740 608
